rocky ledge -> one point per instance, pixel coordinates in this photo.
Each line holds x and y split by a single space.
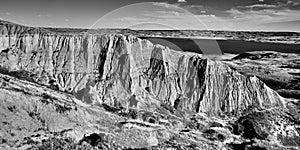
130 72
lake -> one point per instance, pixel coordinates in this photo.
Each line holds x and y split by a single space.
210 46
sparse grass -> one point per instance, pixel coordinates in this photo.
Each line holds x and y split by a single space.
289 141
60 144
21 74
62 108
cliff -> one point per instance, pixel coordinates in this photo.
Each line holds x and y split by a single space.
129 72
76 89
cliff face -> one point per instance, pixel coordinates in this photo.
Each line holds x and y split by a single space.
127 71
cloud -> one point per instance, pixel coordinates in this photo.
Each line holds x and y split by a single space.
263 6
175 19
240 16
272 4
181 1
263 12
169 13
195 9
187 7
263 16
132 19
165 5
293 3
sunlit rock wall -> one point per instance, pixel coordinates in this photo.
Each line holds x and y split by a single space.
127 71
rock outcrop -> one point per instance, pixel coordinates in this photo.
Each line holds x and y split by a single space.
31 114
279 71
127 71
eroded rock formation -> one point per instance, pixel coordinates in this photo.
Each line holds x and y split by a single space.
126 71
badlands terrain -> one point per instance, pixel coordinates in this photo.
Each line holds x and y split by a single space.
104 89
280 71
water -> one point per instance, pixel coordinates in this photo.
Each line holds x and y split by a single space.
209 46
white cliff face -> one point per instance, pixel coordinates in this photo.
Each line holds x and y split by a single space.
127 71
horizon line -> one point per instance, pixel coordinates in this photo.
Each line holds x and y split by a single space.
116 28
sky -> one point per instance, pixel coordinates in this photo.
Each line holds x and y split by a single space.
265 15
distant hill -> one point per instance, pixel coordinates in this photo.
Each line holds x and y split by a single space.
283 26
